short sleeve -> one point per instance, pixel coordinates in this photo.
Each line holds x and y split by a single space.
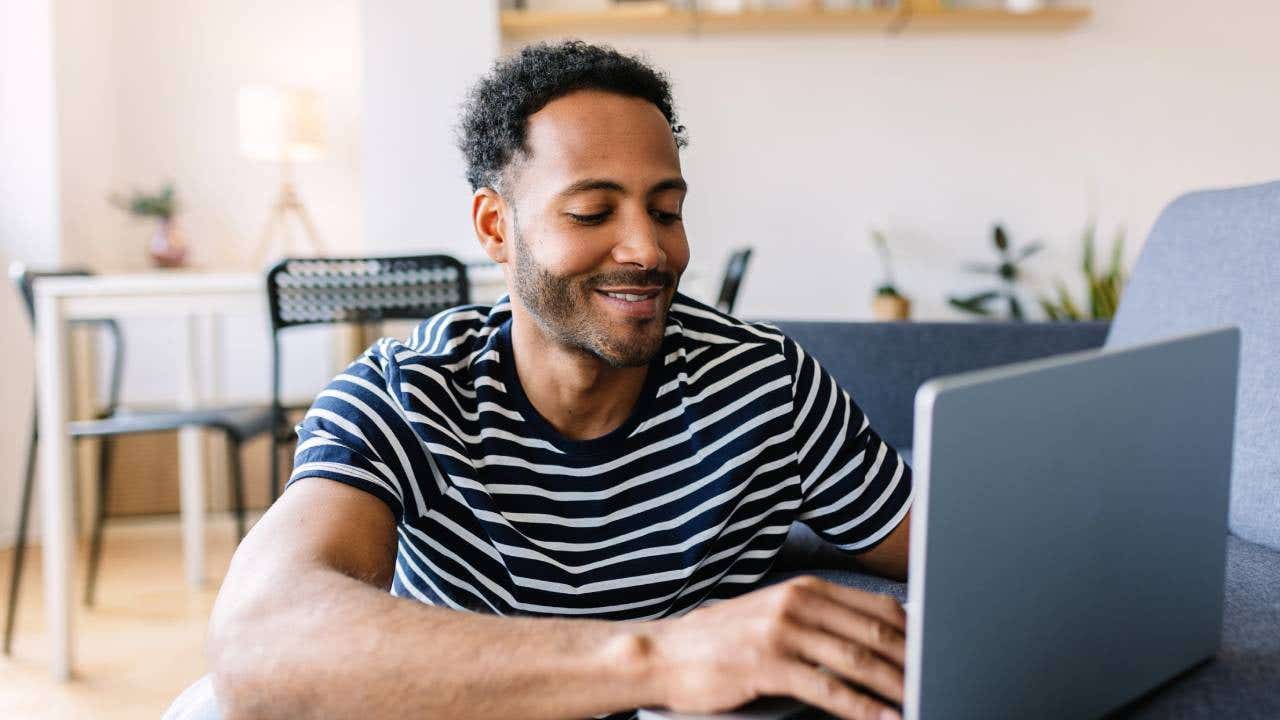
356 433
855 487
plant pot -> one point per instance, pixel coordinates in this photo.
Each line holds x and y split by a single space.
168 247
890 307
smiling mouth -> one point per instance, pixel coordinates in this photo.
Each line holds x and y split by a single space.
634 303
630 296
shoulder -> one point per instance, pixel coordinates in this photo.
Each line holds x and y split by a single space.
448 344
712 346
701 324
458 330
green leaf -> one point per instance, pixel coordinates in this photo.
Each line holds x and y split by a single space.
1015 307
974 303
1096 299
1087 264
972 309
1029 250
981 268
982 297
1049 310
1117 253
878 239
1068 305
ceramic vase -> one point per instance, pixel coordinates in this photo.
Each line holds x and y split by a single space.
168 247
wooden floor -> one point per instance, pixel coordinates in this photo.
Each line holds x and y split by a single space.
141 643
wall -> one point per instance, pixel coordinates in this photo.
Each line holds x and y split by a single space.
29 206
419 60
801 142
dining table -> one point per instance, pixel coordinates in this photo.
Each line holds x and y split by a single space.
192 304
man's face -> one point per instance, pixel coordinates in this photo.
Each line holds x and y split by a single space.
598 240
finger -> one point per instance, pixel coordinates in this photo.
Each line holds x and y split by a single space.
866 630
883 607
826 691
850 660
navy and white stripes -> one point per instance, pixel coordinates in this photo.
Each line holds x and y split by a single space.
736 434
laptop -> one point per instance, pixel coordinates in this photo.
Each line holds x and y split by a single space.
1068 544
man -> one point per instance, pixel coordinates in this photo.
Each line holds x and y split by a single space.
573 495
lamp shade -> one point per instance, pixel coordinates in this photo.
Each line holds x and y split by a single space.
279 124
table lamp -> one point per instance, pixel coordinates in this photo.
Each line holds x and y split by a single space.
285 126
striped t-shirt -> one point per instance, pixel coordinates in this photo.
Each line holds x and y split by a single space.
736 434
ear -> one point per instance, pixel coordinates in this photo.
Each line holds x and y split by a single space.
489 212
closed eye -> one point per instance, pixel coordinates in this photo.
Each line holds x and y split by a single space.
666 218
593 219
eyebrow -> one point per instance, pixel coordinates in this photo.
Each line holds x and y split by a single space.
589 184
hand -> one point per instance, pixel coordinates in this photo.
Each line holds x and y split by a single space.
771 642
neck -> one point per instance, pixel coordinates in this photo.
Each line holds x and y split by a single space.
582 396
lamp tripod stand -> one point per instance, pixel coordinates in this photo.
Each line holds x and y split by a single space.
277 227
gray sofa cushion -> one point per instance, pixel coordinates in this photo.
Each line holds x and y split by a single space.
1212 259
882 365
1242 681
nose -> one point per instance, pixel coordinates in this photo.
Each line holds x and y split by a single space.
640 244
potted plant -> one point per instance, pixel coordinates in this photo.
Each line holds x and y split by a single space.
1104 287
1007 273
168 247
888 303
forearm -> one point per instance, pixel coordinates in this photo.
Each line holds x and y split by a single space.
332 646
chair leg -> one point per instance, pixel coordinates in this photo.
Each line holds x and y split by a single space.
20 547
274 450
237 482
95 541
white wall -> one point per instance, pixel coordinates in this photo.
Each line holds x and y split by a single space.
800 142
29 229
419 59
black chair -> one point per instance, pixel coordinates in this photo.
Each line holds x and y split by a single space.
352 291
237 423
732 281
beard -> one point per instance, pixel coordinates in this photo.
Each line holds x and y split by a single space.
566 310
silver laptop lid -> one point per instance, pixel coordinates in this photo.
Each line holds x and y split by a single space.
1068 537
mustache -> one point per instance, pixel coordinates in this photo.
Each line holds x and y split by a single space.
662 278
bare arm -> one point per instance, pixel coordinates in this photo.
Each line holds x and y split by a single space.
304 627
889 557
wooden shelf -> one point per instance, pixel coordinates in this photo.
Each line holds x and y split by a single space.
661 19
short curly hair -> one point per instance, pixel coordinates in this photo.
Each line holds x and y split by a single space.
495 114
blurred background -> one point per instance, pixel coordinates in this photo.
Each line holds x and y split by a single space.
941 155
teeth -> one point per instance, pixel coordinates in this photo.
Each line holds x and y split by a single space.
627 296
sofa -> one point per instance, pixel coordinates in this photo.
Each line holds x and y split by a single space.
1212 259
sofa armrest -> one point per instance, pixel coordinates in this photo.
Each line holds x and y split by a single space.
882 364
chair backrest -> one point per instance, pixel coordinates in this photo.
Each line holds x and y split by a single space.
732 282
24 280
311 291
329 291
1212 259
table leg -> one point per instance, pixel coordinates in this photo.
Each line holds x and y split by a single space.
191 463
55 480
